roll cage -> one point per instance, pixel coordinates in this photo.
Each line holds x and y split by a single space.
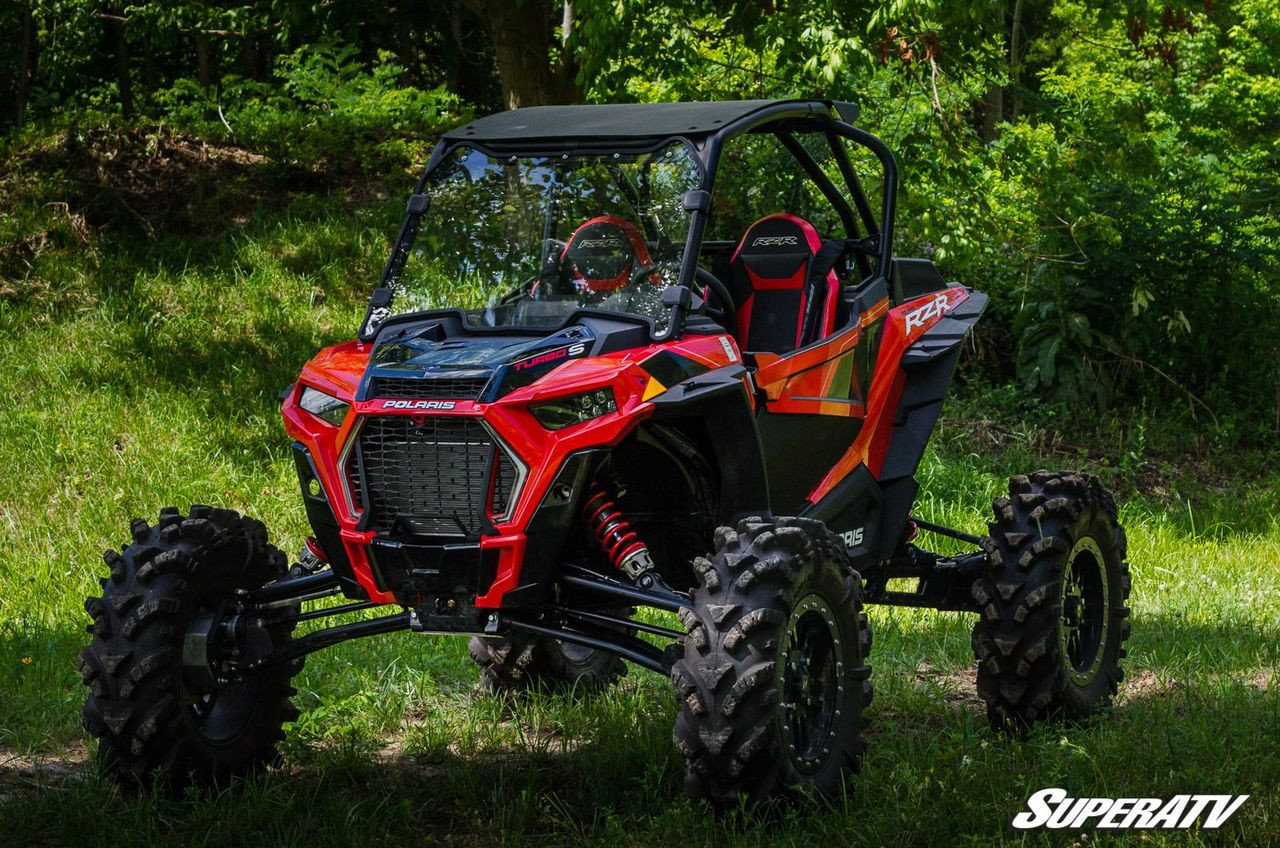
704 128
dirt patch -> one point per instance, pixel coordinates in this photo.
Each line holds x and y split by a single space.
959 688
1145 683
1264 680
151 181
20 772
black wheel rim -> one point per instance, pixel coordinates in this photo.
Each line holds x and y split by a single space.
1085 619
220 715
812 684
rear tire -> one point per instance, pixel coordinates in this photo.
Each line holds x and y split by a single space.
773 681
524 662
151 721
1053 607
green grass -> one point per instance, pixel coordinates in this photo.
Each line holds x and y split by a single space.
143 376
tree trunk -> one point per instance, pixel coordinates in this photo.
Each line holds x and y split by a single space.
523 34
992 111
404 37
206 71
122 69
149 83
26 65
250 53
455 54
1015 59
204 61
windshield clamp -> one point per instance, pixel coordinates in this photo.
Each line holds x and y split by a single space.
696 200
418 204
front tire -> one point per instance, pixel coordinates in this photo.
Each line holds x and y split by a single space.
773 681
1053 606
152 721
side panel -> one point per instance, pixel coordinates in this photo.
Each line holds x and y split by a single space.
917 356
904 327
853 511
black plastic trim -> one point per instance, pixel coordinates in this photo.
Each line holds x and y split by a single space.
324 524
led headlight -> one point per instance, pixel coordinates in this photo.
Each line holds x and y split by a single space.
325 407
574 409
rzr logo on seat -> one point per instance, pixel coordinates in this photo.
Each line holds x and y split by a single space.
932 309
419 404
774 241
602 242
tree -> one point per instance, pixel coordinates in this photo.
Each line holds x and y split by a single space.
531 49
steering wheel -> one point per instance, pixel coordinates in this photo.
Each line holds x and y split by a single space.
527 289
722 315
550 269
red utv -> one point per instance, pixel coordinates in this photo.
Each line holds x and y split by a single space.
622 357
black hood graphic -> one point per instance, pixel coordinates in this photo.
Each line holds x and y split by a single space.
501 362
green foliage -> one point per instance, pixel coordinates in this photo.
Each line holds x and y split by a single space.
326 110
1108 173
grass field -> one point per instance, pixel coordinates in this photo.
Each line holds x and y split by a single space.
147 376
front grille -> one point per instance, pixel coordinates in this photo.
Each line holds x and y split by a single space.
504 484
430 476
458 388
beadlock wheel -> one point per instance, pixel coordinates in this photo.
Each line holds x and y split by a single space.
1083 623
1050 637
812 692
772 680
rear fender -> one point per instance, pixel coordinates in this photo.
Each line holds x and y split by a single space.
926 367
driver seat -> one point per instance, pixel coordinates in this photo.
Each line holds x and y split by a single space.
603 253
783 280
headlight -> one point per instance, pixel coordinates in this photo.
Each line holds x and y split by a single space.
574 409
325 407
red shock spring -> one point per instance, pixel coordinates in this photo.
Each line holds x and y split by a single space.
613 531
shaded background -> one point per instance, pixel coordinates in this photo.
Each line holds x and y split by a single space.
1107 171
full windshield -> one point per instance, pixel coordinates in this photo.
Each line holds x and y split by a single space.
525 241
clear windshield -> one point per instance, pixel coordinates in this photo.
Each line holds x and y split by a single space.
525 241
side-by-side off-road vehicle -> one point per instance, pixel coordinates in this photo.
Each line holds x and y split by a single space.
623 360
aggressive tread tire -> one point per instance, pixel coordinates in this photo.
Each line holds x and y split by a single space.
524 662
1050 525
733 728
139 707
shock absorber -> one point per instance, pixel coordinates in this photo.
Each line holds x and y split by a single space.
611 529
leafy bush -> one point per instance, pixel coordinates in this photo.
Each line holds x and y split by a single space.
1126 224
327 111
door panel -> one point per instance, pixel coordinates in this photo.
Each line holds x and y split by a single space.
814 406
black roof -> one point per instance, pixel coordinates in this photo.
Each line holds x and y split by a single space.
634 121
